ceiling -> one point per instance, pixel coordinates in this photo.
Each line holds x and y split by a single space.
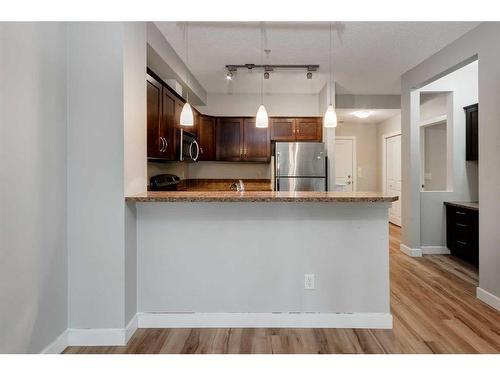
376 115
368 58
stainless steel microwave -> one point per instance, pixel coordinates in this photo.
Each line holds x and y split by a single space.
189 149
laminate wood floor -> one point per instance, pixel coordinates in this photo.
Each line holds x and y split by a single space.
432 301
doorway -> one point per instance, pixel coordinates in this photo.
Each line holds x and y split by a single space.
345 164
392 175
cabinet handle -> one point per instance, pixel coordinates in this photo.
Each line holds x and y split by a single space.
166 144
461 225
162 144
462 242
460 212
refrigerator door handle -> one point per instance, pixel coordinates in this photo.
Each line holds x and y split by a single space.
277 164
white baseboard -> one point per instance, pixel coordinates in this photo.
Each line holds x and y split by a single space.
131 328
488 298
58 345
409 251
96 336
435 250
264 320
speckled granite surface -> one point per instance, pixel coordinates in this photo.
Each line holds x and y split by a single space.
469 205
259 196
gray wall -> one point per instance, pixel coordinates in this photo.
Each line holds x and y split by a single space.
435 157
33 257
482 41
225 267
95 175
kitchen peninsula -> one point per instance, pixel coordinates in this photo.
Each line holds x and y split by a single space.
262 259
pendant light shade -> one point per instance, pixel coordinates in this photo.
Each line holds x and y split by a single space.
187 115
330 117
262 121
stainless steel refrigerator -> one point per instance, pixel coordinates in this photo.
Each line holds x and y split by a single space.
300 166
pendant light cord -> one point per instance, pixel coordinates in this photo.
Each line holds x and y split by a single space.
261 62
186 35
331 65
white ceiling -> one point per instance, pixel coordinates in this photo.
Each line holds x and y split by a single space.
376 116
369 57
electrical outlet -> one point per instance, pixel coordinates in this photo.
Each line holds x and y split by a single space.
309 281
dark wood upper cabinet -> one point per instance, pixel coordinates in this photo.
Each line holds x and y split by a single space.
282 129
256 142
153 117
471 132
167 126
206 134
296 129
308 129
229 139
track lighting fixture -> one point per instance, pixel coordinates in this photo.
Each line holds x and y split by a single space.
266 75
309 75
229 75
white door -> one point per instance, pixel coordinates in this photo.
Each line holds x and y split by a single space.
344 164
393 175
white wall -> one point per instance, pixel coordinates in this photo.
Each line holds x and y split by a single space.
481 41
247 104
366 152
389 126
33 257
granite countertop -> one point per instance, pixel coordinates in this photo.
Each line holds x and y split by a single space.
259 196
469 205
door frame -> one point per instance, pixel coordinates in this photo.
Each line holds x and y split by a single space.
385 137
384 153
354 159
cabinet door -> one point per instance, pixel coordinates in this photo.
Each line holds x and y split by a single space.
229 137
282 129
256 142
471 129
206 134
167 126
154 98
308 129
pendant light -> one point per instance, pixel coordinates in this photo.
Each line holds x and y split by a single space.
330 117
187 118
261 121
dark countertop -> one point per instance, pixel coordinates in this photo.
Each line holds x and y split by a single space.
469 205
260 196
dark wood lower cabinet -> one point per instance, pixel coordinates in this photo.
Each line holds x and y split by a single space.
462 232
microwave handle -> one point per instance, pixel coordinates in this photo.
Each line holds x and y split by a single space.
191 150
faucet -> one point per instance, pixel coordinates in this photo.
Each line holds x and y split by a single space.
238 186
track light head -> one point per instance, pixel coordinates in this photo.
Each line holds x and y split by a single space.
309 75
266 75
229 76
